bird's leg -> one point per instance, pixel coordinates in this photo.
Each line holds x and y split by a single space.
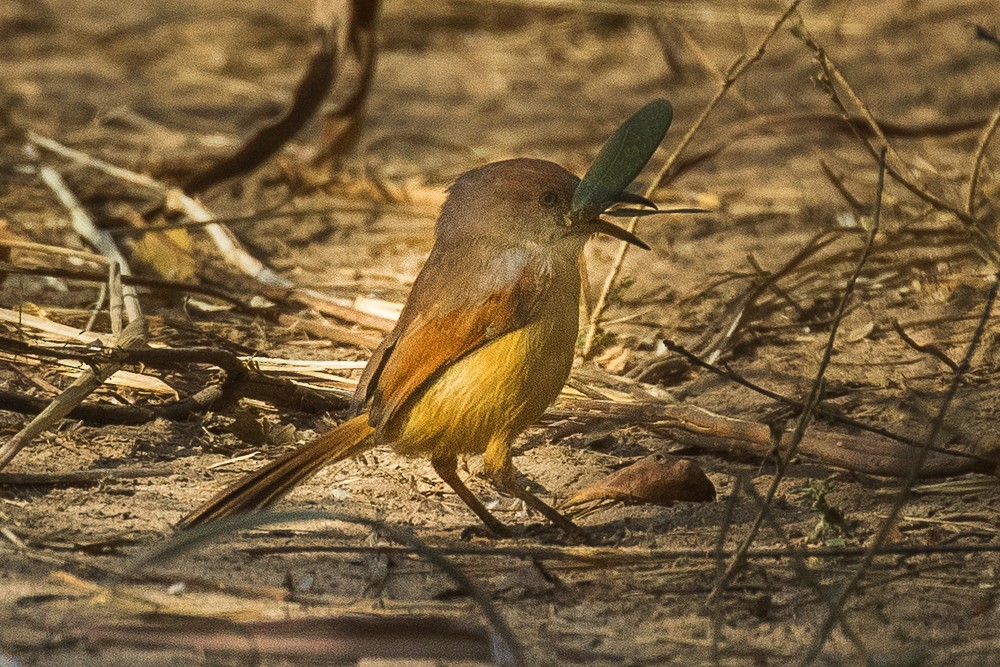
500 471
446 467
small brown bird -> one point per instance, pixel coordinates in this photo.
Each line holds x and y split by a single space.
483 345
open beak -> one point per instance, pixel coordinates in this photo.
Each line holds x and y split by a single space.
599 226
631 198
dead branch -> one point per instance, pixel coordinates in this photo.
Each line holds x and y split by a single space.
916 465
230 247
131 336
78 477
344 638
733 74
29 246
932 350
837 181
815 392
977 162
341 127
239 382
744 439
312 89
746 302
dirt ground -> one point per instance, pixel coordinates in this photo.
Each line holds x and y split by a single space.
164 87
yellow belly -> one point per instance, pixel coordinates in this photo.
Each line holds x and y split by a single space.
494 392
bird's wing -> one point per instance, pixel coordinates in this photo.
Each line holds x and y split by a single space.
452 310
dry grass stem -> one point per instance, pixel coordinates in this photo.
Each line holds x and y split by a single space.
132 336
977 163
850 586
733 74
815 392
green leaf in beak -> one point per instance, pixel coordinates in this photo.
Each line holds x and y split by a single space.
621 159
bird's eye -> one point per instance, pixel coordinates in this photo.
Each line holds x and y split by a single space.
549 198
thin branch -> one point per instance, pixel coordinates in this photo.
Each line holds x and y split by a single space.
227 243
309 94
132 336
977 162
815 392
619 556
837 611
932 350
733 74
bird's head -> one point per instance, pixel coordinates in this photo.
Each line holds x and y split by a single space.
539 201
523 200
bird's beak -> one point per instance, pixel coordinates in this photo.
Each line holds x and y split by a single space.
599 226
632 198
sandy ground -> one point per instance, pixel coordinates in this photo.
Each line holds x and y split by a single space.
162 87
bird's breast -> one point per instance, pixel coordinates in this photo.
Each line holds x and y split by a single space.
500 388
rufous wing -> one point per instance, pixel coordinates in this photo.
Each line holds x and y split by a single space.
480 302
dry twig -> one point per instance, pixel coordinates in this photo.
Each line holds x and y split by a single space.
131 336
733 74
837 610
895 166
815 392
977 162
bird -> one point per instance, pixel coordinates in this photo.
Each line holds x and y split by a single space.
483 345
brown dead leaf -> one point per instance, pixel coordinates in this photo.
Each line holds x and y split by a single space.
659 479
255 430
614 359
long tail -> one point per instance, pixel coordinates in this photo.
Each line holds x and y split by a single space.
263 487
